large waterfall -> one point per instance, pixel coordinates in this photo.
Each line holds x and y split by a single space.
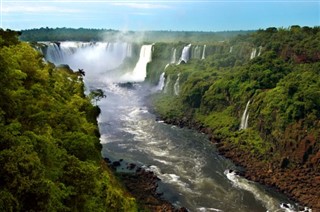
100 58
245 118
88 56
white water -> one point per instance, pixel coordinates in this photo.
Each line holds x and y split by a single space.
196 52
204 52
139 72
191 171
239 182
161 84
260 49
231 49
177 86
245 118
185 54
173 57
253 53
93 58
166 86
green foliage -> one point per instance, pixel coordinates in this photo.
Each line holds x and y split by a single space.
282 84
81 34
97 95
49 147
167 106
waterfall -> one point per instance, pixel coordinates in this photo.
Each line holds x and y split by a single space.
54 54
173 56
93 58
177 86
259 53
231 49
253 53
185 54
139 72
166 86
160 85
129 50
204 52
196 52
245 118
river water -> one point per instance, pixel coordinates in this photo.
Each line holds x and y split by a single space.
192 173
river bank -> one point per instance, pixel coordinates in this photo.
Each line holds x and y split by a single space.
300 183
142 184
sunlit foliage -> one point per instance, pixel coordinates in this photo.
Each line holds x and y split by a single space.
49 147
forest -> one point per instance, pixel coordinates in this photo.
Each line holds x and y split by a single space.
280 85
50 153
92 35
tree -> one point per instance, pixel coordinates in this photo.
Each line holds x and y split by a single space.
97 95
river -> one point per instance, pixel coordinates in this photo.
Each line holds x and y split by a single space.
192 173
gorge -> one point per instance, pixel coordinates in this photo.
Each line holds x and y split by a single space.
192 173
211 125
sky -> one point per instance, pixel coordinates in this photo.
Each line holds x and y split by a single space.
183 15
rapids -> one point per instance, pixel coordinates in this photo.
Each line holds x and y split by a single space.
192 173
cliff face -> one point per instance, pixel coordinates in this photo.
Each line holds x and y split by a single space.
273 75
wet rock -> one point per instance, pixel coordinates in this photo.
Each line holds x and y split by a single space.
131 166
107 160
143 186
116 164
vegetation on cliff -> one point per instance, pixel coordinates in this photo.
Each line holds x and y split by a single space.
49 147
277 70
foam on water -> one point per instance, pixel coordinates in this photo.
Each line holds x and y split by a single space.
169 178
203 209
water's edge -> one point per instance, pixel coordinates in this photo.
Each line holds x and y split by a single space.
252 168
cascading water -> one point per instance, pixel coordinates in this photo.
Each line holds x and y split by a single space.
192 173
196 52
231 49
245 118
177 86
260 49
139 72
185 54
160 85
204 52
166 86
93 58
173 56
253 53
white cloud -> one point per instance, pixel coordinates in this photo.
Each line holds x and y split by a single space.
13 8
142 5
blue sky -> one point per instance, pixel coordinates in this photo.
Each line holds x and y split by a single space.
208 15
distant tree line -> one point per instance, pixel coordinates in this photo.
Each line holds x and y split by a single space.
81 34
